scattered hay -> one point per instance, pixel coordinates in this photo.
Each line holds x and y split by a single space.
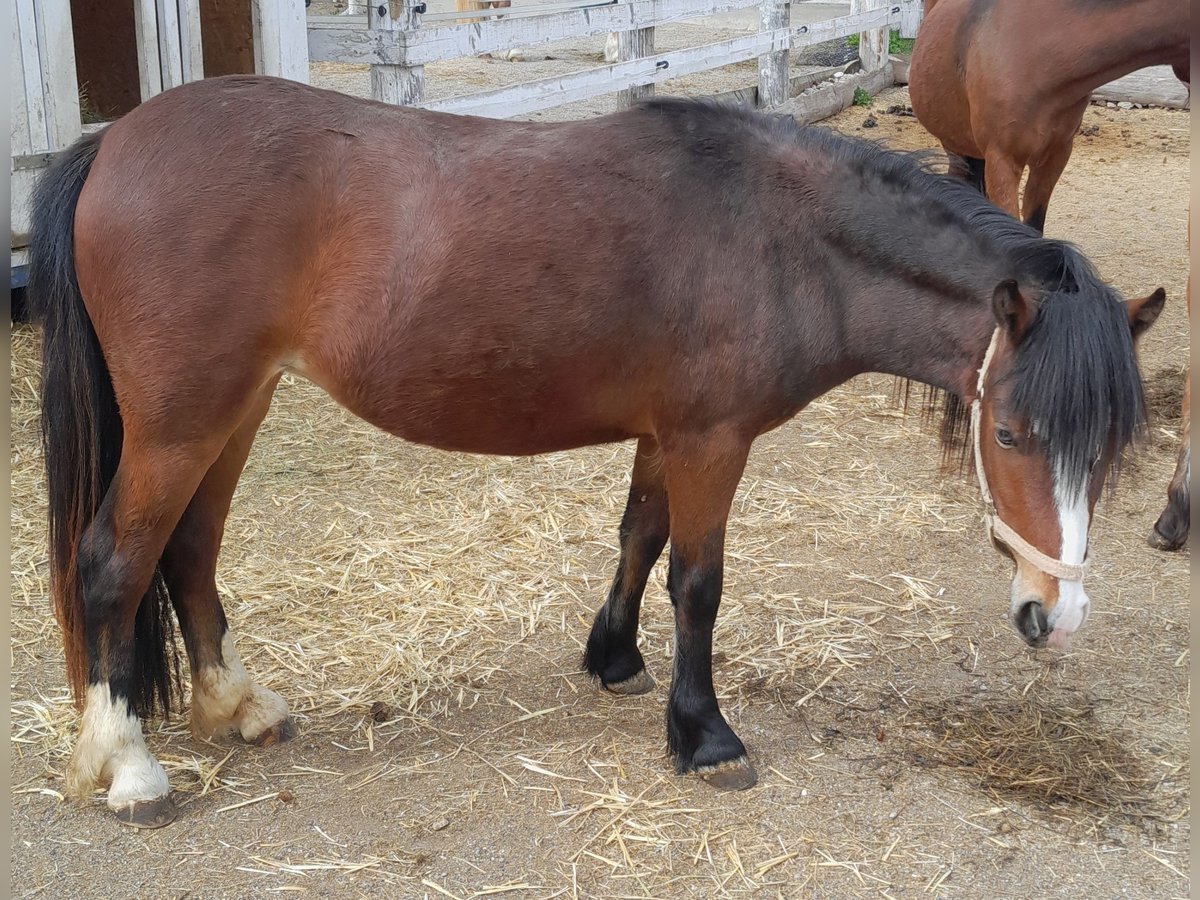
1164 391
1052 752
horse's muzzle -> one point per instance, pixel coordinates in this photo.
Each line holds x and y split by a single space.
1031 623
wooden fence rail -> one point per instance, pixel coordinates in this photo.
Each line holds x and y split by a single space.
397 45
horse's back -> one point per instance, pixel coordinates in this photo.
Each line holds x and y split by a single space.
236 227
241 179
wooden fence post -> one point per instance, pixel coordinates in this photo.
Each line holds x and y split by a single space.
872 45
167 35
398 85
280 38
634 45
189 40
145 27
911 13
773 67
45 100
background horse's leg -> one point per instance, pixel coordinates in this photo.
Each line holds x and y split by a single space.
1171 530
118 554
612 654
970 169
1004 181
1043 176
224 699
702 478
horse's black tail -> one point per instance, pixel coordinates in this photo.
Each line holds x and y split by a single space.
82 434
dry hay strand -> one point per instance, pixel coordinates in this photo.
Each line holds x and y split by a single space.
1054 753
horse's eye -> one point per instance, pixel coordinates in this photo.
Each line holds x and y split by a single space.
1005 438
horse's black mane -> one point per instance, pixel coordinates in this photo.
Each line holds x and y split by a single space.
1075 375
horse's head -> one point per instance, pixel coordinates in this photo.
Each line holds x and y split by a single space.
1059 397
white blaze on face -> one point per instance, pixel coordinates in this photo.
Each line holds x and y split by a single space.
1071 610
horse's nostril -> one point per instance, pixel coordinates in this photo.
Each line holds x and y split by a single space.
1031 621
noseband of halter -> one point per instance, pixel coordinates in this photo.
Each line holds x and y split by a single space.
999 530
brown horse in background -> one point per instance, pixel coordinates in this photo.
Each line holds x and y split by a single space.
1171 530
1003 84
693 277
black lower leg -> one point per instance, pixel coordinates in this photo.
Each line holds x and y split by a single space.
190 579
697 734
612 654
189 561
1037 218
976 174
128 626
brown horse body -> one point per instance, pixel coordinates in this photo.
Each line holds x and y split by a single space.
693 277
1004 83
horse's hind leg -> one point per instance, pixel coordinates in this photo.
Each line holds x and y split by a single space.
612 654
224 699
118 555
702 477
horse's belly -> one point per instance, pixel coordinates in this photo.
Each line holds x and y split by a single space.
497 414
509 429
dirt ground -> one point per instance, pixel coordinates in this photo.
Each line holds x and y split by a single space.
424 613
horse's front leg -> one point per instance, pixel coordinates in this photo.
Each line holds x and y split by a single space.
701 481
1170 532
612 653
1004 180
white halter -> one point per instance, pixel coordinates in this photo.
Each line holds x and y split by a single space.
998 529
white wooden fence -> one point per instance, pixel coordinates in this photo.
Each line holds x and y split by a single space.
44 85
398 40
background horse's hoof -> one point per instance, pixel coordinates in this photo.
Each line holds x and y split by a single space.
1158 542
641 683
277 734
736 775
147 813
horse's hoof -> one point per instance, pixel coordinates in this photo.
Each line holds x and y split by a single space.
277 734
641 683
147 813
1158 542
735 775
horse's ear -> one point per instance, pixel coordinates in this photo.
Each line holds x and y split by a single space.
1143 311
1014 311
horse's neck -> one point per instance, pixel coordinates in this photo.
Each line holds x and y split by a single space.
1138 34
921 307
931 338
